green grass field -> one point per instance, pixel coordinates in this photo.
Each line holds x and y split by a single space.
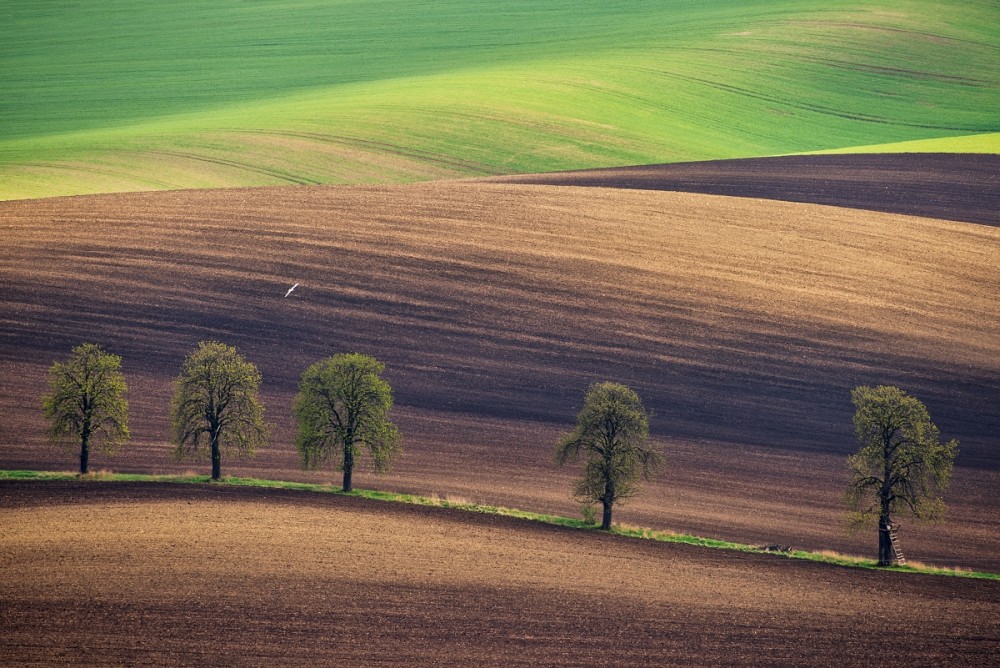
132 95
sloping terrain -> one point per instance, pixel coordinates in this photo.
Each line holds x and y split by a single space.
178 575
979 143
742 323
133 95
936 185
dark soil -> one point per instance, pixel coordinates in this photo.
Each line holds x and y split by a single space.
951 186
127 574
743 324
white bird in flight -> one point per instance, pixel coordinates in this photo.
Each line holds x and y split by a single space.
291 288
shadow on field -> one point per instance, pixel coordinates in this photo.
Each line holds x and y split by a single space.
951 186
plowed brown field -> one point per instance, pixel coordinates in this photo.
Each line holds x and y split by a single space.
936 185
742 323
103 574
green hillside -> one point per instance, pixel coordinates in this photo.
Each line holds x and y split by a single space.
129 95
987 143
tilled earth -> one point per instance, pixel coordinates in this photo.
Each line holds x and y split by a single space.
157 574
742 323
936 185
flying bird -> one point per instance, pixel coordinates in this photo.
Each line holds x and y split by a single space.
291 288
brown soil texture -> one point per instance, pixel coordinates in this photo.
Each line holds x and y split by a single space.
113 574
742 323
951 186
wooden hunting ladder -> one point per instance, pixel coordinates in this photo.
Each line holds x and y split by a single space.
894 540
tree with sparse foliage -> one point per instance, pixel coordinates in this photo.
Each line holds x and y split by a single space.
342 409
87 404
901 466
612 434
216 403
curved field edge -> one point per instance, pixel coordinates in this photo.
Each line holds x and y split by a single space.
490 306
217 574
626 531
980 143
948 186
140 96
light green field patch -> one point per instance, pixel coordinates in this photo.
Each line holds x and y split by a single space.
984 143
131 95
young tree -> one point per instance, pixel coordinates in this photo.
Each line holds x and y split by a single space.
612 432
216 402
342 407
902 465
87 404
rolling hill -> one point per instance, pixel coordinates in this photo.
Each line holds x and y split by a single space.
741 294
951 186
129 95
743 323
213 575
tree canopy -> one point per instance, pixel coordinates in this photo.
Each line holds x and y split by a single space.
216 403
87 404
902 465
342 410
612 435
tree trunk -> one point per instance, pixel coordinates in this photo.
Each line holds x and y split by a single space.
216 456
886 555
606 520
348 466
84 450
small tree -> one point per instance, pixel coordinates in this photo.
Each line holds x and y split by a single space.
216 402
342 407
902 465
87 404
612 432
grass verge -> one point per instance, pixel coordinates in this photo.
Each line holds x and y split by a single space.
824 556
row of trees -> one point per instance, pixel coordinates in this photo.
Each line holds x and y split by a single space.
342 411
342 408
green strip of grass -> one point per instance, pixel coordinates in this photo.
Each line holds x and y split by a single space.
394 497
